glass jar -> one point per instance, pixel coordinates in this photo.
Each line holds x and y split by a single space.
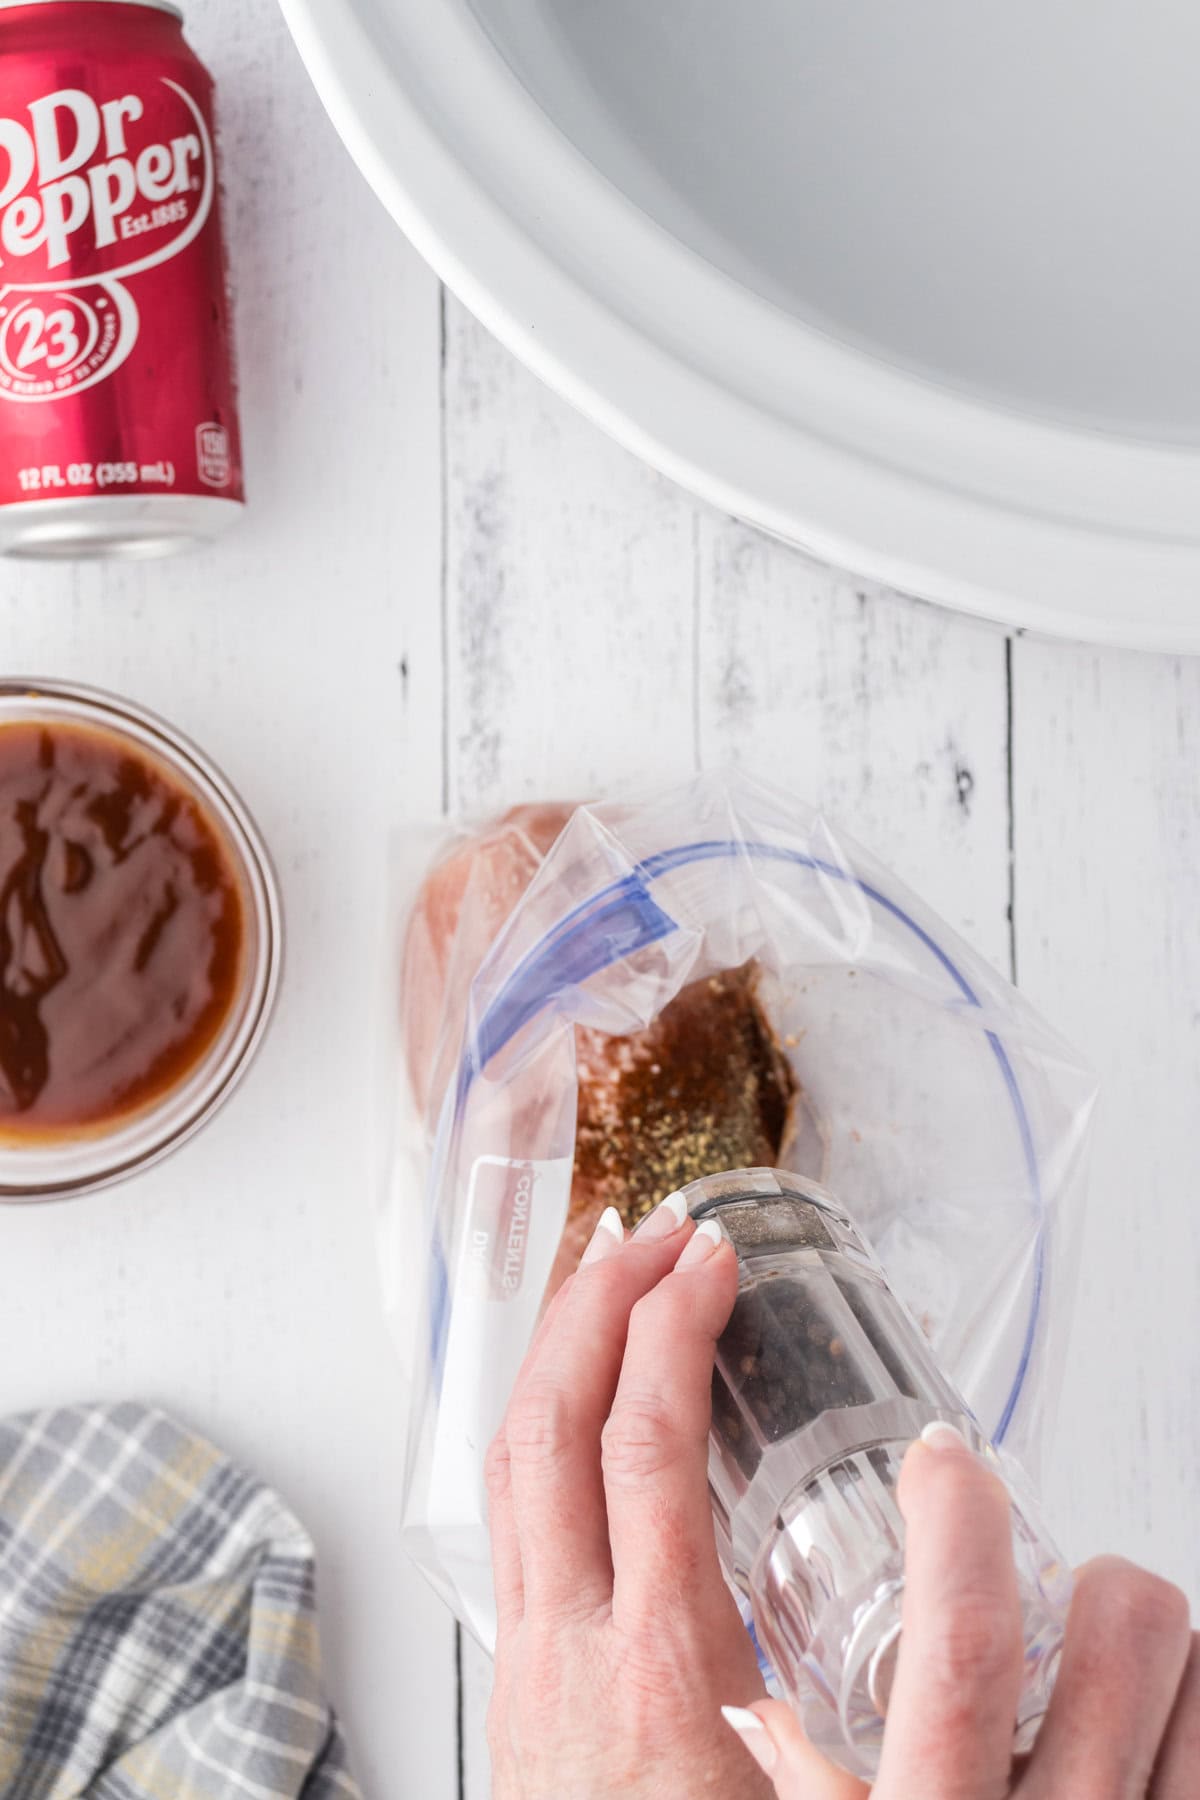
822 1381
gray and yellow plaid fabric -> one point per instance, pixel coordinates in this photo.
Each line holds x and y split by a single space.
158 1636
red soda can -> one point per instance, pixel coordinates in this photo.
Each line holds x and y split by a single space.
118 421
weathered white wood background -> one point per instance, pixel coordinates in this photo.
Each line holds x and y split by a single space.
450 591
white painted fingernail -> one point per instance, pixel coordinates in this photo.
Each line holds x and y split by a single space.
700 1245
940 1436
607 1238
753 1734
667 1217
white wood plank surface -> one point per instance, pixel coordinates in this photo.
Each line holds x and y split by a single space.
450 590
236 1284
1107 830
570 593
891 717
604 627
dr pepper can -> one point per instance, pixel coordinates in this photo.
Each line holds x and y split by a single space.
118 421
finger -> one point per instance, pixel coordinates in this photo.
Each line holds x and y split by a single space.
958 1674
656 1440
558 1408
507 1580
771 1733
1126 1646
1176 1773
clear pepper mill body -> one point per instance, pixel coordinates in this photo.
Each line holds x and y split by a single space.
822 1381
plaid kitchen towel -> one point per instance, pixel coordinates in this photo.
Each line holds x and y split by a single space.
158 1637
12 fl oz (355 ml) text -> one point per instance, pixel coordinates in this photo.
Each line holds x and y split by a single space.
49 476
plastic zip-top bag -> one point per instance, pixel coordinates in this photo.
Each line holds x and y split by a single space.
714 975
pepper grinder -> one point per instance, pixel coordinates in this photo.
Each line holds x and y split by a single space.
822 1381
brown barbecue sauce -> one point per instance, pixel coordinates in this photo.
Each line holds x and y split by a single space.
121 930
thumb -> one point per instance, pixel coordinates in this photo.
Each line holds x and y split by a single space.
772 1734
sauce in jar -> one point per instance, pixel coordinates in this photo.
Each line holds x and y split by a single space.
122 930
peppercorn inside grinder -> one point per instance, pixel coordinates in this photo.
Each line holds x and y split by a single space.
822 1381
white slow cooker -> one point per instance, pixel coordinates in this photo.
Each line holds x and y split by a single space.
916 287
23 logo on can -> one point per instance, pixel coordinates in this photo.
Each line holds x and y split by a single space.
58 341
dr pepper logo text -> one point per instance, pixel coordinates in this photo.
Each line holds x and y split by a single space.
92 193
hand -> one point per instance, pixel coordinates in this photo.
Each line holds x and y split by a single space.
1124 1719
618 1639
